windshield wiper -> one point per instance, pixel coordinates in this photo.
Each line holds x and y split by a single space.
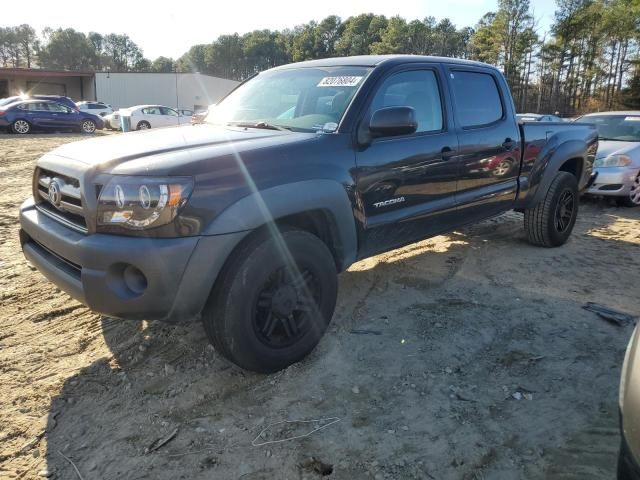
263 125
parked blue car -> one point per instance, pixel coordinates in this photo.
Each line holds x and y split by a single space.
25 116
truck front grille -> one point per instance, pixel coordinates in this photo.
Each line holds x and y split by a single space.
58 196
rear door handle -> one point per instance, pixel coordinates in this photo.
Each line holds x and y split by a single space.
447 153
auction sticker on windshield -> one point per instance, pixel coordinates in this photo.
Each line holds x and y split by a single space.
341 81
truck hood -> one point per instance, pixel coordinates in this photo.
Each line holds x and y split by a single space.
613 147
117 148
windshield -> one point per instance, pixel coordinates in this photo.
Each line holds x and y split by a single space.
624 128
301 99
8 100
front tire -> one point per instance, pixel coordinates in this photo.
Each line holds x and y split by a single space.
550 223
633 199
273 300
88 126
21 127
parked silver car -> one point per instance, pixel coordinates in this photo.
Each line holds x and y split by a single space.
97 108
537 117
618 162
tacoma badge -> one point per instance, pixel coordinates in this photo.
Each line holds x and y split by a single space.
386 203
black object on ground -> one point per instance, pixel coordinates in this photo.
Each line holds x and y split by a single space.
366 332
612 316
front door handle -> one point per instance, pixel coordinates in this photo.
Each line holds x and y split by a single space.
447 153
508 144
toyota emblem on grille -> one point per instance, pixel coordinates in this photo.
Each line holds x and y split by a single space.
55 195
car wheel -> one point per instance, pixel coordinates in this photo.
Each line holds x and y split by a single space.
143 125
550 223
88 126
502 169
633 200
273 300
21 127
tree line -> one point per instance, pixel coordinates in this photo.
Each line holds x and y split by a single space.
68 49
589 60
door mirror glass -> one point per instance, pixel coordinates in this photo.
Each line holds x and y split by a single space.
393 121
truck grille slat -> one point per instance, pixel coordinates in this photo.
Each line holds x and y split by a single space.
68 208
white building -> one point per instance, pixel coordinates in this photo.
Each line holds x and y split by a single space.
191 91
181 90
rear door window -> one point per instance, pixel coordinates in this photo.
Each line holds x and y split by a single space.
477 98
38 107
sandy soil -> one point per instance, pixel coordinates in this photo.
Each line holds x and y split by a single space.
460 327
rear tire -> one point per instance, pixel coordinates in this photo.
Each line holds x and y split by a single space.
550 223
271 305
21 127
143 125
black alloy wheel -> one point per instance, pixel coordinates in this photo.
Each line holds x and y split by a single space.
564 210
285 306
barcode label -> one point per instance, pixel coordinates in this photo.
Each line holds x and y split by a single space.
343 81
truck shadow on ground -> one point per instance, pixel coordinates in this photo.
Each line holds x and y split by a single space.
427 393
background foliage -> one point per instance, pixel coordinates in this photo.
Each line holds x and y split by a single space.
590 60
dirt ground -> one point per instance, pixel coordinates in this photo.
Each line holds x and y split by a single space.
466 356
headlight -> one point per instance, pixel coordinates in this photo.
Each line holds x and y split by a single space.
138 203
613 161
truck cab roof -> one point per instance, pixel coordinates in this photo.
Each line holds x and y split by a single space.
378 60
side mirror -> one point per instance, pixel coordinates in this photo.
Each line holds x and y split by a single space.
393 121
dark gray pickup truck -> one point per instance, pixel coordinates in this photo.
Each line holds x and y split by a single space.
246 219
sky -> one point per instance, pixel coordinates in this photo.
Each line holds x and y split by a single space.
170 27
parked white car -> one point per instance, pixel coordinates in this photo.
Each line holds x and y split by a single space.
97 108
143 117
112 121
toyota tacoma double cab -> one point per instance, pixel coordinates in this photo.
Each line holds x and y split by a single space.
246 219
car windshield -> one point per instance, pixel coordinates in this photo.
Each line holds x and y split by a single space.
624 128
8 100
300 99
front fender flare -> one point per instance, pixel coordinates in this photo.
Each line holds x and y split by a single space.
263 207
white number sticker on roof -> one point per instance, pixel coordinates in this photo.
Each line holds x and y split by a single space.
342 81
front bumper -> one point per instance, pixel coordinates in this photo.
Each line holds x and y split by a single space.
177 273
613 181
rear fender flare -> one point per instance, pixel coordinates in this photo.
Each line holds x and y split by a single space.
548 165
